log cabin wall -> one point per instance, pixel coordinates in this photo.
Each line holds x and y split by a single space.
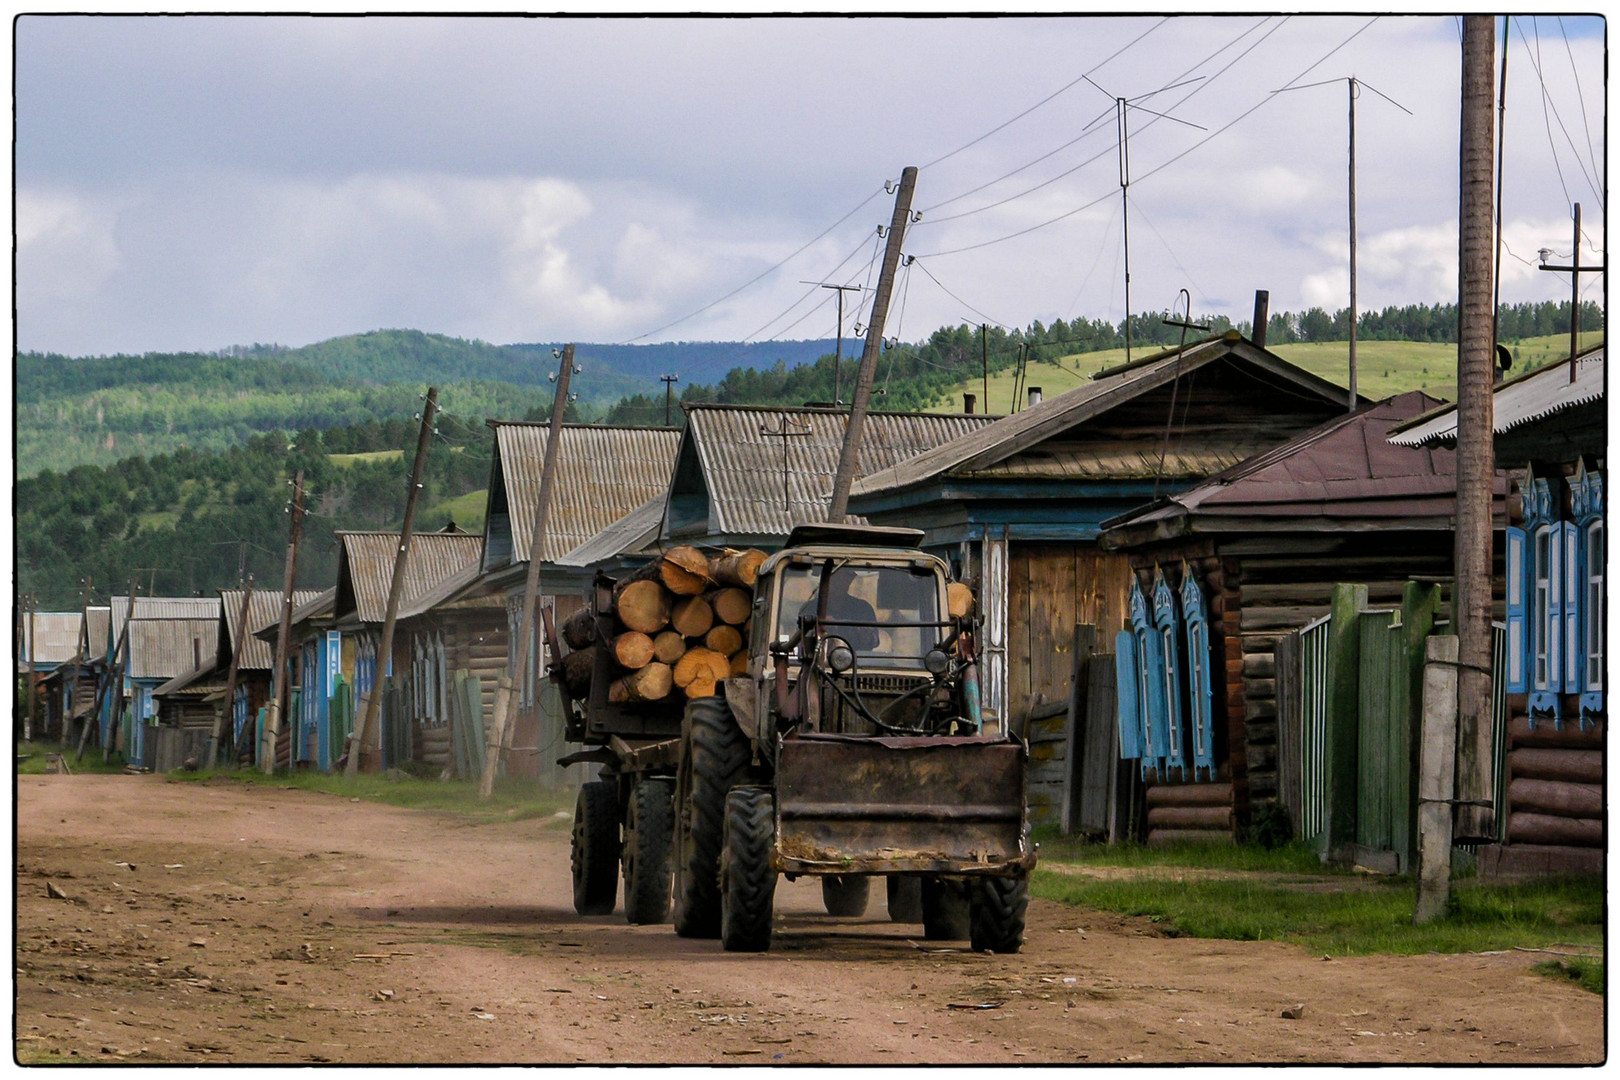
1050 588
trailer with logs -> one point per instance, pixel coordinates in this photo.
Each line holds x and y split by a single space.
809 713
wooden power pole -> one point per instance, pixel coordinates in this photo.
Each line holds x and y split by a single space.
839 503
1476 459
120 668
396 587
501 720
289 578
225 715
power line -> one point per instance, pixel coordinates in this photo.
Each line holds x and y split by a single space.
1580 96
1548 104
958 299
1061 90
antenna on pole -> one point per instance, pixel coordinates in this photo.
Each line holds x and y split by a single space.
667 380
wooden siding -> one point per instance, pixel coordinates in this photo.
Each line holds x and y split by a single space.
1051 588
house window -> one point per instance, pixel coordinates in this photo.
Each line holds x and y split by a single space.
1544 623
1587 540
1593 645
1168 620
1555 598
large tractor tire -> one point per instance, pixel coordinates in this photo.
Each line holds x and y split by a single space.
649 828
747 881
846 895
905 898
996 907
714 759
595 854
944 909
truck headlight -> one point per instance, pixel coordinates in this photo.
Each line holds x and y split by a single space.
936 662
840 657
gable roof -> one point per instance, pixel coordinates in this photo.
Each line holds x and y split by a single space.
93 639
264 609
1343 474
991 450
366 568
728 459
603 472
1527 398
157 607
630 535
51 637
163 647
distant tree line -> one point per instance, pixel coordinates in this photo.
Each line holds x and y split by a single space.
1422 322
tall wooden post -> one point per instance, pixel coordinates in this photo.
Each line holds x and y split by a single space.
1476 460
1342 737
862 398
79 656
385 650
226 714
31 602
1355 90
289 578
501 721
120 668
1436 759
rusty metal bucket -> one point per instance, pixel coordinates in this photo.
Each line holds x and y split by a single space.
872 804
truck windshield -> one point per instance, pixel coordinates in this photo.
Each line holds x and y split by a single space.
898 597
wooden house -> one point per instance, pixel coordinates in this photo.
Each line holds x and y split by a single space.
603 473
314 651
1551 434
49 646
1249 554
1017 505
165 638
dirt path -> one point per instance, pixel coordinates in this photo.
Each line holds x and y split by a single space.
257 925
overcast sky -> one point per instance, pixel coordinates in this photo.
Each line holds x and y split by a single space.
194 183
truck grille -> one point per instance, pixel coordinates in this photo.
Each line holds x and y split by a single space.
890 684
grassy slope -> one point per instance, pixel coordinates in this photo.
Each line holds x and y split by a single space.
1385 368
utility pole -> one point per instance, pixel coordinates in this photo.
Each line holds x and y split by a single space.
838 356
226 714
31 603
1501 160
1574 270
1476 354
289 577
78 658
396 587
501 721
984 361
668 393
121 667
874 342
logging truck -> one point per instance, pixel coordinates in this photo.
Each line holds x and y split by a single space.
814 712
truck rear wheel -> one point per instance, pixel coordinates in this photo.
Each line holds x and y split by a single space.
846 894
747 881
944 909
996 910
648 830
715 758
905 898
595 854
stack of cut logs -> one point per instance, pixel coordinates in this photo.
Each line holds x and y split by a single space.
680 624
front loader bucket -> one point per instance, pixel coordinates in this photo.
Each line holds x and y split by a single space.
866 804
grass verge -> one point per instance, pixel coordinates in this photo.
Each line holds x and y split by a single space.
31 759
1585 972
1284 895
513 800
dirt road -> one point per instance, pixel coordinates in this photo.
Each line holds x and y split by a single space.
219 922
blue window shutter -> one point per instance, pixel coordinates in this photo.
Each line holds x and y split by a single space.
1573 591
1149 682
1168 623
1546 622
1593 574
1518 629
1200 704
1130 711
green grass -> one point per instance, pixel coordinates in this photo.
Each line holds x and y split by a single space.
1585 972
1285 895
1295 858
513 800
1383 368
34 763
467 511
343 461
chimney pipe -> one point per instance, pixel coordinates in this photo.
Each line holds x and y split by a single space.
1262 315
968 401
1034 395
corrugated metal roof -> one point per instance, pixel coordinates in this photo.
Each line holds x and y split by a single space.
629 535
1345 469
199 682
57 633
467 587
264 608
95 635
366 568
996 444
602 474
743 467
161 648
1535 395
159 607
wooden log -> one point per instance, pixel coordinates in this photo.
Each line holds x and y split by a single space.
652 682
642 605
1556 798
633 650
1525 828
703 686
682 570
737 568
578 630
1189 817
732 605
576 670
1163 837
723 639
691 616
1190 795
700 662
668 647
1569 737
739 663
959 600
1572 766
